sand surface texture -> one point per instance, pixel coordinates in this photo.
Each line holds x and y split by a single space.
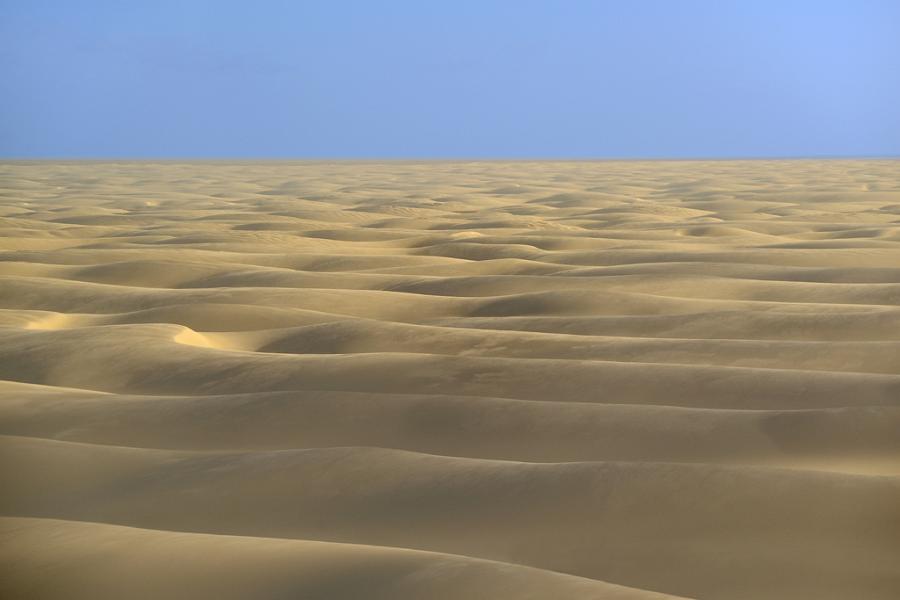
452 380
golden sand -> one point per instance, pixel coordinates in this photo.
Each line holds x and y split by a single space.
450 380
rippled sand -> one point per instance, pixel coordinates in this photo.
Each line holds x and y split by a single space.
450 380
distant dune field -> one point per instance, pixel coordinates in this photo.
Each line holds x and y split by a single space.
450 380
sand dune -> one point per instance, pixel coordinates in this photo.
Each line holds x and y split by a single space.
742 523
86 560
450 380
858 439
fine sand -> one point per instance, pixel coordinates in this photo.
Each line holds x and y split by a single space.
450 380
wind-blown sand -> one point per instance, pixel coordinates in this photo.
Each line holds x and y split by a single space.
450 380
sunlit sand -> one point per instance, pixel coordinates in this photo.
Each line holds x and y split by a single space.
451 380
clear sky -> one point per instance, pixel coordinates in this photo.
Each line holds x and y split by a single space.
449 78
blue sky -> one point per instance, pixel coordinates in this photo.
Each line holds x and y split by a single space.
452 78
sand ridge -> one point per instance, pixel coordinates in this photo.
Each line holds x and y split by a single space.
450 379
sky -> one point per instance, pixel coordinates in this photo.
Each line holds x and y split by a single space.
449 78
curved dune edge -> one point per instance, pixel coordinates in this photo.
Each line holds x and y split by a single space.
853 440
149 361
450 379
556 516
67 559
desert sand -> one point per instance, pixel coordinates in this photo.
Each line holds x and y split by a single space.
450 380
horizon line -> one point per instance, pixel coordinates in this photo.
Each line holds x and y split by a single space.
236 158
